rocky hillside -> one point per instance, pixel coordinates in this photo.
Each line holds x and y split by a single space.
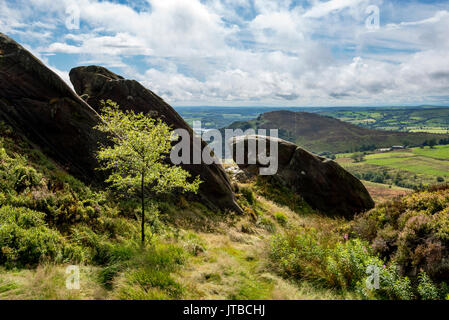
95 84
321 182
40 106
321 133
55 213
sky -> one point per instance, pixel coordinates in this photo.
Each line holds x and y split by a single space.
248 52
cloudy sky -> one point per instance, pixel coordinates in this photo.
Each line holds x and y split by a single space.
249 52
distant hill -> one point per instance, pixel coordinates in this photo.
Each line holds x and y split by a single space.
319 133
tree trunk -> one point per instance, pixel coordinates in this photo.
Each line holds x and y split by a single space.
143 210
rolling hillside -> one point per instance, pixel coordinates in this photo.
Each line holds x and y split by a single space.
413 119
409 168
322 133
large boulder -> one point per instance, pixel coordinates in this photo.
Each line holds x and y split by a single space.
322 183
39 105
94 84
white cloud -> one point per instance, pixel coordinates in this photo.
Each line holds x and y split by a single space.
251 52
119 44
324 8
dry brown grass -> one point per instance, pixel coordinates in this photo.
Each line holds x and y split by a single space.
229 259
235 263
47 282
382 192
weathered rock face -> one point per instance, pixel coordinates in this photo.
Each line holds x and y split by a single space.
95 83
323 183
41 106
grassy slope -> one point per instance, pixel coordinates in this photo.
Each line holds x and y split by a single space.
195 254
236 262
321 133
227 263
381 192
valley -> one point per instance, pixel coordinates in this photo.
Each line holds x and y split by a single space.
323 134
431 119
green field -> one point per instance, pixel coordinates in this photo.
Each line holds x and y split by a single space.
413 119
410 167
438 152
415 164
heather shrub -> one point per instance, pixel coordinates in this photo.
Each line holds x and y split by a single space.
22 217
248 194
15 174
426 289
348 261
412 231
266 223
344 266
275 191
352 264
299 254
280 218
25 177
26 240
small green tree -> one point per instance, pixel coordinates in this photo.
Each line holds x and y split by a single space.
136 159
